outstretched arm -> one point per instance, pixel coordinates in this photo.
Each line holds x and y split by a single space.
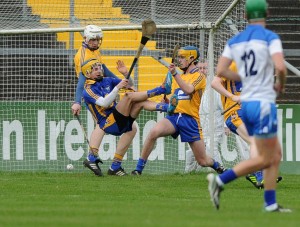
108 99
121 67
107 72
76 107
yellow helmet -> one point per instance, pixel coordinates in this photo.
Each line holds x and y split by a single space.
87 66
189 51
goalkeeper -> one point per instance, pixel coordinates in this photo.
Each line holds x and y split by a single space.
183 118
230 91
114 118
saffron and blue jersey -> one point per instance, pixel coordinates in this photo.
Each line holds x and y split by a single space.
93 90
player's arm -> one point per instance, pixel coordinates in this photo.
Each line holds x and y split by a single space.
121 67
107 72
223 69
76 107
218 86
276 52
187 88
110 98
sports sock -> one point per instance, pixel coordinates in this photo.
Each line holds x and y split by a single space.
140 165
117 161
228 176
156 91
270 197
163 107
215 165
92 158
115 165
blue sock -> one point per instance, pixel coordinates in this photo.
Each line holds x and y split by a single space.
115 165
228 176
215 165
259 176
270 197
140 164
163 107
92 158
156 91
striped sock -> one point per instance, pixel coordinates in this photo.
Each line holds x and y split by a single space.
117 161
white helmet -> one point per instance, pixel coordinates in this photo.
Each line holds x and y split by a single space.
92 32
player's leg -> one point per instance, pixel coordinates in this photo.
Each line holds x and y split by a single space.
147 105
161 129
92 161
125 104
235 124
204 160
122 146
190 131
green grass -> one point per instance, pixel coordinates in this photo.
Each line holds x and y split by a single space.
81 199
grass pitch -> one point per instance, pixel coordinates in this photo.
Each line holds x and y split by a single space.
81 199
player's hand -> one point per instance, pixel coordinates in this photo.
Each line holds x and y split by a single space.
76 107
165 100
122 68
123 84
278 88
172 68
236 98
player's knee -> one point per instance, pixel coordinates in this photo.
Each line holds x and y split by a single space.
128 96
153 134
134 127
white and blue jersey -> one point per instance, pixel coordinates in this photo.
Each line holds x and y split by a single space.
252 50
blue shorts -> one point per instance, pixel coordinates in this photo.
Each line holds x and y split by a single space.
234 121
116 124
260 118
186 126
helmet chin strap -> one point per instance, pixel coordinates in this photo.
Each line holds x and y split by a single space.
92 49
186 68
99 78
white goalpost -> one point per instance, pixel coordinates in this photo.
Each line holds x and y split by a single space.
38 41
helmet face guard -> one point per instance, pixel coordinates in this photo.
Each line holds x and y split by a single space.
187 53
90 66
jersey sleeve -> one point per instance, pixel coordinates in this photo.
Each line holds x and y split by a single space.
227 52
199 81
275 46
89 95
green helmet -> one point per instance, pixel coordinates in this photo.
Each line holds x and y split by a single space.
256 9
